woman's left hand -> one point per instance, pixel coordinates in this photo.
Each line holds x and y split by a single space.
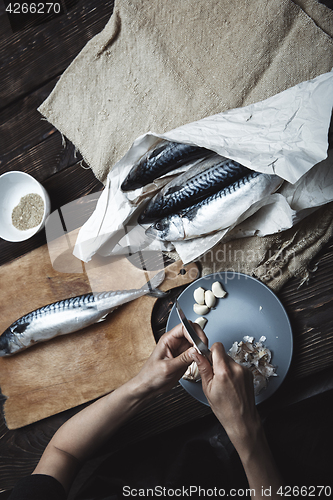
168 362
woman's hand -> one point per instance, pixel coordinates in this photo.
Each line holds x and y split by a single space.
167 363
228 387
82 435
229 390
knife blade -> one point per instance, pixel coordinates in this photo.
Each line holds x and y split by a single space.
197 342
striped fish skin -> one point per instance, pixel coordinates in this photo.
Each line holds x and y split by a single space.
216 212
202 180
164 158
70 315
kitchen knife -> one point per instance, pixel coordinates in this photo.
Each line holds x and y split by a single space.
197 342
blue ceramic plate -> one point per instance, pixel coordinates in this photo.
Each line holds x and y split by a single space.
250 308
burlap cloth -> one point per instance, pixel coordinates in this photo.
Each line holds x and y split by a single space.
157 65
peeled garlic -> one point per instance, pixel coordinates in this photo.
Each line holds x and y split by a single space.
200 309
201 322
218 290
210 299
192 373
199 295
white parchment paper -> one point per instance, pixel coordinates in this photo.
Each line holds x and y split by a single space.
286 134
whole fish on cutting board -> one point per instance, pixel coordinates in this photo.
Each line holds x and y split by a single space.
164 158
70 315
202 180
216 212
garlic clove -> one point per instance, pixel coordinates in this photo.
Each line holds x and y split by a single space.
201 322
192 373
199 295
200 309
218 290
210 299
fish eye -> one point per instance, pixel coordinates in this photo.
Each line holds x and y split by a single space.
159 226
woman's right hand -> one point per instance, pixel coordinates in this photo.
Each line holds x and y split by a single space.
229 390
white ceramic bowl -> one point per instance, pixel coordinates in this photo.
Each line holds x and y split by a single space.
13 186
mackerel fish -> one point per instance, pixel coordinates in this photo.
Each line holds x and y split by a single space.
164 158
202 180
70 315
217 211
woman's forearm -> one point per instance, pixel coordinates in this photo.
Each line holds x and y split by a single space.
84 433
228 387
259 466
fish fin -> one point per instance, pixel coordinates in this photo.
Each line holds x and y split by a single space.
157 293
156 280
102 318
151 285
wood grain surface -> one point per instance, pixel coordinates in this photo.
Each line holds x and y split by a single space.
31 62
19 74
72 369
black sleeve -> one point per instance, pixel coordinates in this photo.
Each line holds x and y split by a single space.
38 487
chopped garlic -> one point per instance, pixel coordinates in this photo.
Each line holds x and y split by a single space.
256 357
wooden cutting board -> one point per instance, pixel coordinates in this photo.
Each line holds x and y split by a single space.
70 370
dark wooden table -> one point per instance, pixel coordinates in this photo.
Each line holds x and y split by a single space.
32 59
